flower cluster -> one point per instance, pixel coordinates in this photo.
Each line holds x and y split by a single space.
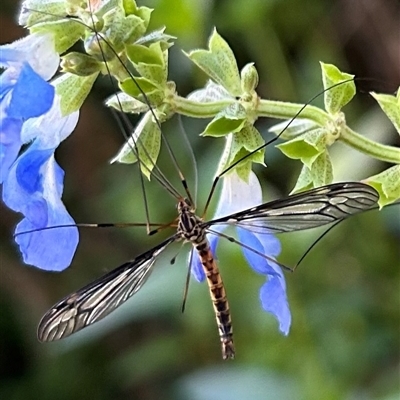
32 127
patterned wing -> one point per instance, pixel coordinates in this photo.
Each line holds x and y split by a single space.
305 210
99 298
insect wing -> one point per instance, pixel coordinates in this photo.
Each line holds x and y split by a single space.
99 298
306 210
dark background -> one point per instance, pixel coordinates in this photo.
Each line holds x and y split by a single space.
345 302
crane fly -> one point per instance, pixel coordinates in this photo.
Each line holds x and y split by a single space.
310 209
302 211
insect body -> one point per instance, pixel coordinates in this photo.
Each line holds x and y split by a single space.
192 229
306 210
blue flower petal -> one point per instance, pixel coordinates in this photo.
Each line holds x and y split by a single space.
50 128
196 266
273 292
31 95
9 55
22 97
10 144
34 187
273 299
52 249
265 244
37 49
7 82
24 187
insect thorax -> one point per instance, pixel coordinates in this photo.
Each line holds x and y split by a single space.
189 224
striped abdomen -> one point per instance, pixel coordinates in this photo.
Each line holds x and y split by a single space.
218 297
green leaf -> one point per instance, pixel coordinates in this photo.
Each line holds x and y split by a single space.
130 6
73 90
116 29
145 14
157 36
66 33
339 88
320 173
154 95
322 170
390 106
39 11
297 127
231 119
155 73
306 148
127 104
133 86
387 183
222 126
238 146
145 144
243 170
249 138
151 62
138 53
219 63
243 154
304 181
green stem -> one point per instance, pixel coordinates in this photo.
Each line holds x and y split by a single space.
196 109
367 146
285 110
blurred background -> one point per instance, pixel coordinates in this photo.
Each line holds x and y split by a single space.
344 297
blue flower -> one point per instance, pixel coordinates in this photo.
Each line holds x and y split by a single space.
238 195
34 187
24 92
32 180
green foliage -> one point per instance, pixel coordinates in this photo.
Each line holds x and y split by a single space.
387 183
339 88
116 34
73 90
230 120
146 149
219 64
66 32
390 106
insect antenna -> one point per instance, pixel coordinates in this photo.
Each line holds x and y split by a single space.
192 158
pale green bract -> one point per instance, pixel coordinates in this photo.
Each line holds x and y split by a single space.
390 106
387 183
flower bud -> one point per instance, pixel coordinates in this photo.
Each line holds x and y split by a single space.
249 78
79 64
